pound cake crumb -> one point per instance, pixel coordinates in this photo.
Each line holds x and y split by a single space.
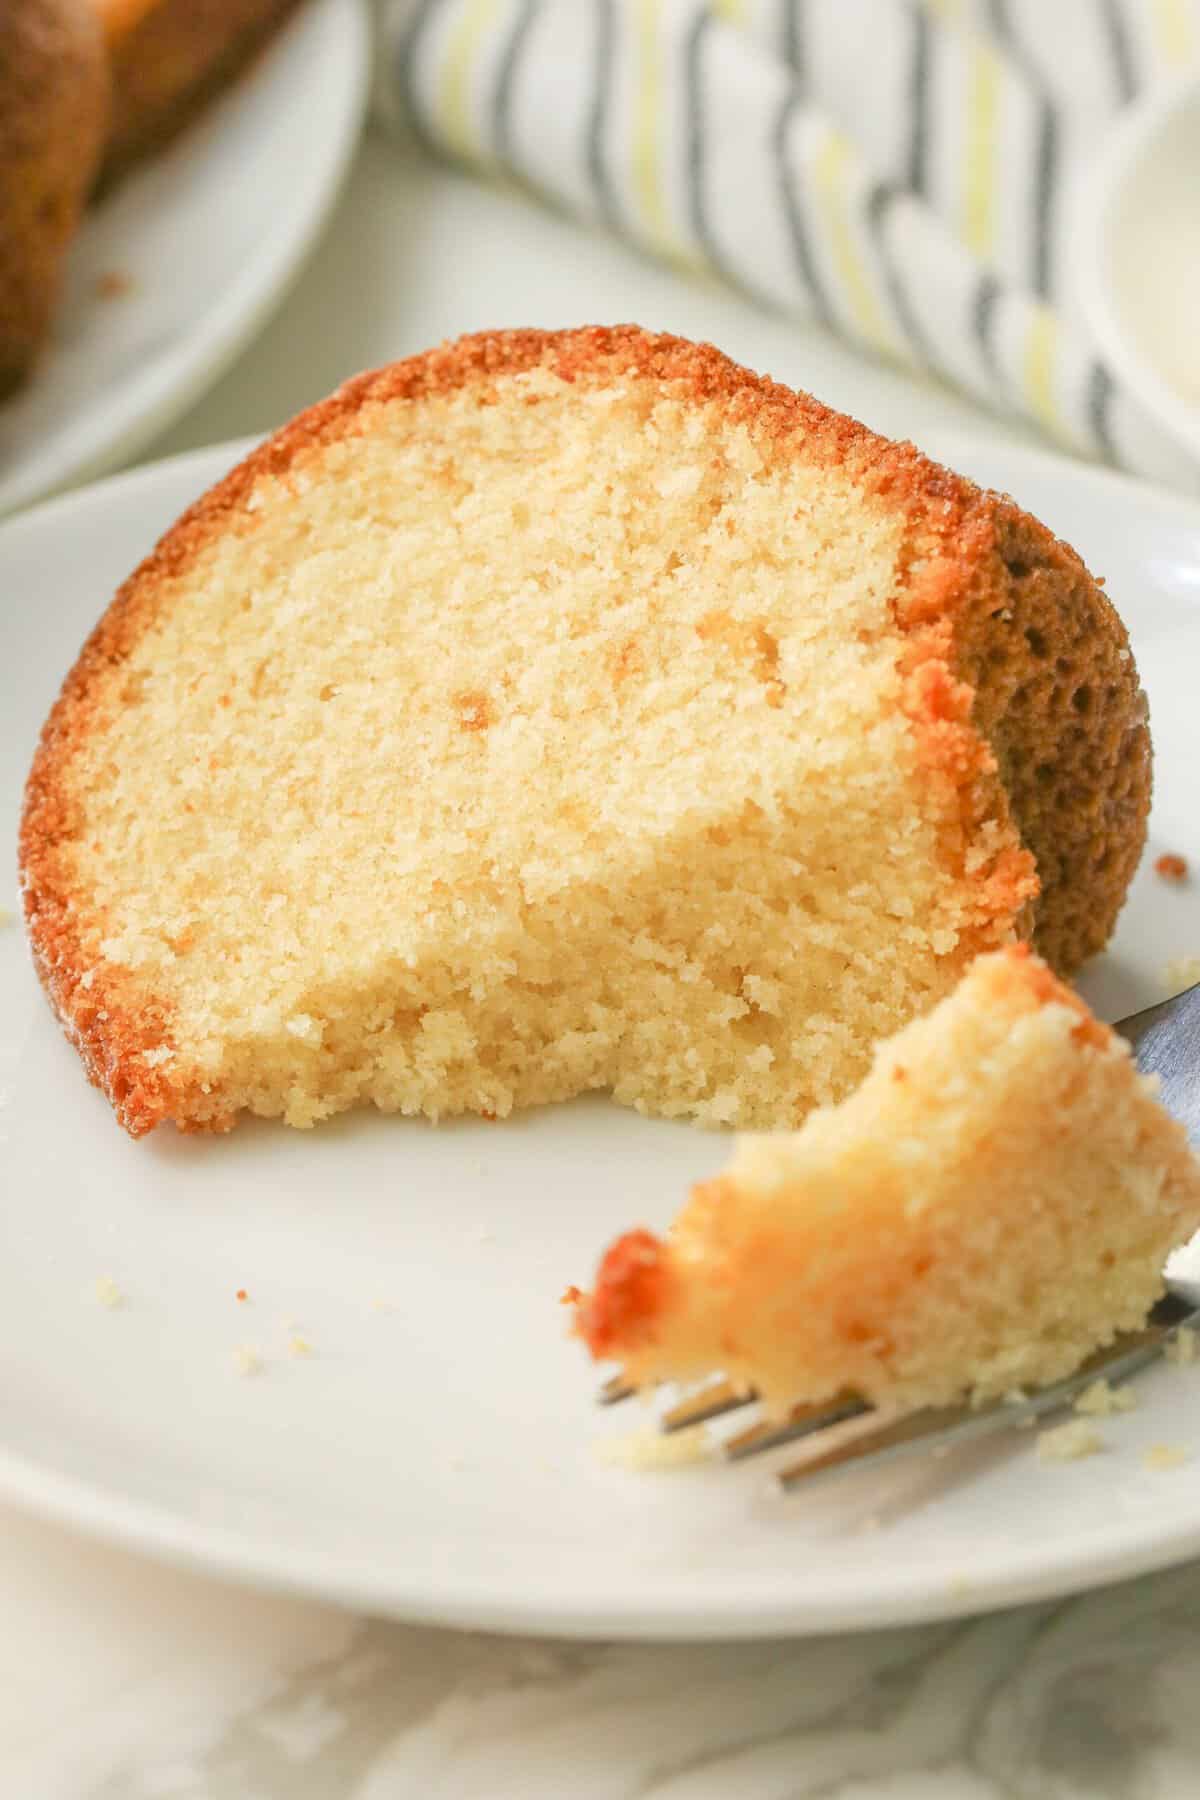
1069 1442
566 711
1101 1399
1182 972
1171 868
980 1227
651 1449
113 284
1162 1457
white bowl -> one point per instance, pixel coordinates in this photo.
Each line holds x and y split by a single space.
1139 265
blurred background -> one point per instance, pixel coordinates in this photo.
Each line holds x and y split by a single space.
916 209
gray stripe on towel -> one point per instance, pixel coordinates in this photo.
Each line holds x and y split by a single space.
597 166
793 212
505 78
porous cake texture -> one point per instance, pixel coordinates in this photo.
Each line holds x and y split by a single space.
570 710
995 1202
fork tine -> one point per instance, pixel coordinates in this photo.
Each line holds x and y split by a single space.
614 1389
930 1428
882 1437
887 1436
710 1403
801 1422
1176 1307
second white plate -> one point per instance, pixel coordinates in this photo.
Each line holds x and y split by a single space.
173 274
435 1456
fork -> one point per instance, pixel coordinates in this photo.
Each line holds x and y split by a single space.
848 1431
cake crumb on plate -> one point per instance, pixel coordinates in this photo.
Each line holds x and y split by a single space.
1181 1347
108 1293
113 284
1172 868
649 1449
1182 972
1166 1456
1069 1442
1101 1399
247 1360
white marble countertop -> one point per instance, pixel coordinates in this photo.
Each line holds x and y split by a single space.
121 1680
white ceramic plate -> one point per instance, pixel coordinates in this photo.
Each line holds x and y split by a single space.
435 1457
1138 214
206 236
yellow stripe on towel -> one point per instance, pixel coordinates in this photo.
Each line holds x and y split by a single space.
979 175
647 125
831 170
454 111
1175 33
1041 351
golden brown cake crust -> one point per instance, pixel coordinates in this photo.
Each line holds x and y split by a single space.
975 565
54 95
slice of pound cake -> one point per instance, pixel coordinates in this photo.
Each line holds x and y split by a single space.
573 710
993 1203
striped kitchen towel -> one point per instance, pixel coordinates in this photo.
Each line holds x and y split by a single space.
903 171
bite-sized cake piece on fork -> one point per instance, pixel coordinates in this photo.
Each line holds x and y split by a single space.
995 1202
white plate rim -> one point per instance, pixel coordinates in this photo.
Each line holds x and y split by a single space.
1133 134
204 353
1022 1575
357 1583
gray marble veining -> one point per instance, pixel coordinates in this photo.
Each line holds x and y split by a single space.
128 1682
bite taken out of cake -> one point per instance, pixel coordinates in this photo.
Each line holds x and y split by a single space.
565 711
995 1202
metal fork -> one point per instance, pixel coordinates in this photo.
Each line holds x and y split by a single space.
848 1431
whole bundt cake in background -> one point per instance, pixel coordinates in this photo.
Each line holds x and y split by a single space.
570 710
168 57
87 88
54 111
